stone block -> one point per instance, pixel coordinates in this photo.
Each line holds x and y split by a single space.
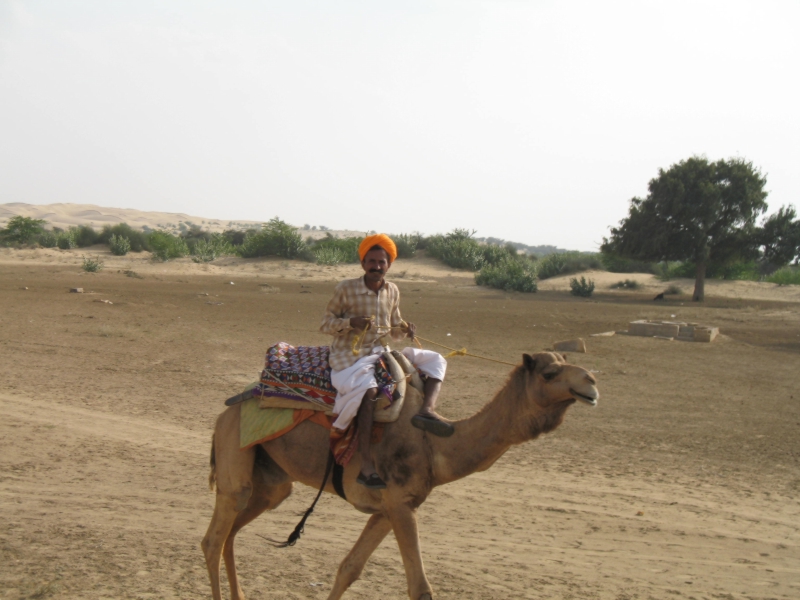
577 345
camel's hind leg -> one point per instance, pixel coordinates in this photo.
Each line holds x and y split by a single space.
377 528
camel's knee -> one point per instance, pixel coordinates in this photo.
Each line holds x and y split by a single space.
242 496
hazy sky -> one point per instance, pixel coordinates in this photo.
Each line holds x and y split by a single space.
530 121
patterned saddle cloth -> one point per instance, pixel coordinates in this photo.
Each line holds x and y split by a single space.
303 374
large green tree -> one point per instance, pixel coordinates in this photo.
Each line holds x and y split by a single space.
22 229
696 211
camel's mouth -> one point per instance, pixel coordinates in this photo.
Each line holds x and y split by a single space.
590 400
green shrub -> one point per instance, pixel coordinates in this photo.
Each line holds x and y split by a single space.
581 287
785 276
235 237
628 284
339 250
137 239
91 265
457 249
517 275
552 265
65 241
48 239
739 270
406 244
166 246
276 238
330 256
673 290
119 245
617 264
566 263
211 249
84 236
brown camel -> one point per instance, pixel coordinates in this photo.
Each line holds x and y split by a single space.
412 462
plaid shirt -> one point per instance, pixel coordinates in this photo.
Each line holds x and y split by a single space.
352 298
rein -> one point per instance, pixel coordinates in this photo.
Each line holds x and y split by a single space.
360 336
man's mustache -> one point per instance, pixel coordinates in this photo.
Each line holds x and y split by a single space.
376 270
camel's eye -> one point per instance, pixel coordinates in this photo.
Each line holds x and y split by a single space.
549 376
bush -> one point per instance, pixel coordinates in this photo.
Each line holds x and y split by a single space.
565 263
48 239
785 276
331 250
211 249
406 244
136 238
517 275
92 265
119 245
166 246
65 241
84 236
628 284
617 264
457 249
673 290
276 238
235 237
330 256
22 230
581 288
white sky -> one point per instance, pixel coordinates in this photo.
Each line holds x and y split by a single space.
530 121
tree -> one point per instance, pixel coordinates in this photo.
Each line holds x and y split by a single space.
696 211
22 229
779 237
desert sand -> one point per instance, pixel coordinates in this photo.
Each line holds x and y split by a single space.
682 483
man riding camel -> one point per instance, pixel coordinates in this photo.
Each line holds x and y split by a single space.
370 306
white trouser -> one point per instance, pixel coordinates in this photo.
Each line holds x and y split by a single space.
353 382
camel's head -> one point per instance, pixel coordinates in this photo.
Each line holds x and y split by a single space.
552 380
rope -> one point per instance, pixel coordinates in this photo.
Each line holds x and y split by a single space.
463 352
358 344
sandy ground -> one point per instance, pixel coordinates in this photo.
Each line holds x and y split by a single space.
682 483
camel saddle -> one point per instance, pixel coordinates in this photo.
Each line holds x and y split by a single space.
300 378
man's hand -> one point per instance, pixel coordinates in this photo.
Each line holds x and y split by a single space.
411 330
361 323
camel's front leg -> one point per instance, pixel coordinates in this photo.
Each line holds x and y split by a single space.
404 524
376 529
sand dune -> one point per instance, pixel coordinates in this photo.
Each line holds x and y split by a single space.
72 215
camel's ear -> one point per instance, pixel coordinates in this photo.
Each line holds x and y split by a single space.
564 357
529 362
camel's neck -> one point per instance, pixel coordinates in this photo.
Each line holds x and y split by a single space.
510 418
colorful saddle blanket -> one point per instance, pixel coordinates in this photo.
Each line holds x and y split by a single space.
302 373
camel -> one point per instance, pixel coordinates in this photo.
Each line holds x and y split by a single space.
412 462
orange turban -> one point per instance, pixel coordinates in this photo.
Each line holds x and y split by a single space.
380 239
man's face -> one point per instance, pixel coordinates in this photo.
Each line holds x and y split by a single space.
375 264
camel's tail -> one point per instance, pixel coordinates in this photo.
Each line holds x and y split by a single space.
212 476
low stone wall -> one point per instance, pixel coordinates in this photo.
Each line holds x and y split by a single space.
687 332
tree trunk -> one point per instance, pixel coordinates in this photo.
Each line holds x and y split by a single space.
700 282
